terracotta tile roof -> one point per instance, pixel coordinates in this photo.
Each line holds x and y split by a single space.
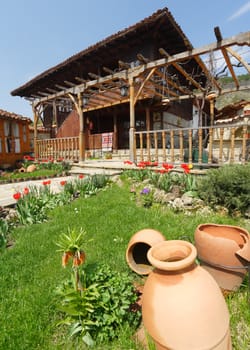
9 115
103 44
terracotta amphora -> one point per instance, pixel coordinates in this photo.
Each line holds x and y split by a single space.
137 249
182 305
224 251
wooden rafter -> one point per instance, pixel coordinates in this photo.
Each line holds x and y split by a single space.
239 58
182 70
69 83
143 84
207 73
230 67
172 83
81 79
241 39
61 87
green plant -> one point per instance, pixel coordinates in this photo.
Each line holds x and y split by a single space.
106 303
146 197
28 308
228 186
4 230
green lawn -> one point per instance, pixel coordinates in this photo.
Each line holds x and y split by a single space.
31 270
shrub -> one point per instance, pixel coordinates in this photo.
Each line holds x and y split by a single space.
105 303
228 186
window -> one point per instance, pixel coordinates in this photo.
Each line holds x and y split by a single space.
7 136
16 135
11 137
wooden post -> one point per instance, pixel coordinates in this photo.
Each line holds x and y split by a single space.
81 133
172 146
221 145
210 149
148 135
141 146
35 113
232 145
132 121
190 146
164 156
181 145
200 146
115 141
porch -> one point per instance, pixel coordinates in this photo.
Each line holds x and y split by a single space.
204 146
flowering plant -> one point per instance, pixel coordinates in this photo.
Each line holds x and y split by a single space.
146 197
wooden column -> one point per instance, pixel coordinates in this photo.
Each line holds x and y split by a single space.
81 132
148 135
35 114
132 154
115 140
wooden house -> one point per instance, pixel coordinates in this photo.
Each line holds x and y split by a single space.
14 138
142 88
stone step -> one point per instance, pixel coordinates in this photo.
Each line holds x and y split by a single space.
93 171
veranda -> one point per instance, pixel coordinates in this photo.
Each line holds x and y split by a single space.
221 145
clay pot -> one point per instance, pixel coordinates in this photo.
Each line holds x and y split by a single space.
223 251
182 305
137 249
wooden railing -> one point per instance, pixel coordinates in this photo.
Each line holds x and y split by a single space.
66 148
212 146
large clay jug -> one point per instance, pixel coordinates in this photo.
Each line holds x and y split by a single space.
182 305
224 251
137 249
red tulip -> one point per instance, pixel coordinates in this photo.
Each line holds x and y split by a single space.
81 176
63 182
17 195
26 191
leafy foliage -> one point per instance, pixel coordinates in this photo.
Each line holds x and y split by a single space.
34 207
228 186
4 229
104 305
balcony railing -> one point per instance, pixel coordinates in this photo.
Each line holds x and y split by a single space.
211 146
66 148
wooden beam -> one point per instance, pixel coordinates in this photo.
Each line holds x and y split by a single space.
81 79
123 65
172 83
241 39
142 59
43 93
61 87
230 67
51 90
182 70
69 83
219 38
207 73
239 58
107 70
102 97
143 84
94 76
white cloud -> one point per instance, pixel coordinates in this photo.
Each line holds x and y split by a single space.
240 12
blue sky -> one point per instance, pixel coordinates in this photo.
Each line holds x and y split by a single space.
36 35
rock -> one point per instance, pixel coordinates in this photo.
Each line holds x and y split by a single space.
31 168
187 200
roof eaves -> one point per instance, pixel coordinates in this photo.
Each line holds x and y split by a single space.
154 17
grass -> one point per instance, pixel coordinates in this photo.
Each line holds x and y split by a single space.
35 174
31 270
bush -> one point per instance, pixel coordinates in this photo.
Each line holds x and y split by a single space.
105 303
228 186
